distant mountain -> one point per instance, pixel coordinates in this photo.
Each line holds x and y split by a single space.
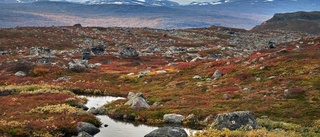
147 13
204 3
118 2
135 2
305 22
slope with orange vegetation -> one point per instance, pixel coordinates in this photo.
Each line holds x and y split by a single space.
279 82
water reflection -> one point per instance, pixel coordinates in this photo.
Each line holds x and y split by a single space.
118 128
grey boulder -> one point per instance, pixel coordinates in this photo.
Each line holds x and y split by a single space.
20 74
173 118
87 127
128 52
168 132
235 120
137 101
217 74
83 134
97 111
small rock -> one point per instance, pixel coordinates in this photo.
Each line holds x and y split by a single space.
246 89
156 104
271 45
217 74
161 71
137 101
226 96
272 77
98 50
196 77
128 52
192 118
143 73
207 119
64 78
173 118
258 79
87 127
183 58
82 106
20 74
168 132
130 95
44 60
84 134
196 59
97 111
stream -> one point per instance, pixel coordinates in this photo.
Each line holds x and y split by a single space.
117 128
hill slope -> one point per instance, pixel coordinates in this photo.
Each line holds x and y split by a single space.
305 22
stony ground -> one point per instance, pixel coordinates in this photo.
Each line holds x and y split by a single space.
192 72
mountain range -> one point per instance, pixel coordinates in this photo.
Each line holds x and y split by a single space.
171 3
163 14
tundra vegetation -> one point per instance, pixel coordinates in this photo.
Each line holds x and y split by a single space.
274 74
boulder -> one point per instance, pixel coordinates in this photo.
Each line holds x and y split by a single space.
143 73
84 134
137 101
235 120
196 77
173 118
217 74
77 25
271 45
44 60
87 127
130 95
97 111
78 65
86 54
168 132
40 51
4 52
20 74
128 52
64 78
98 50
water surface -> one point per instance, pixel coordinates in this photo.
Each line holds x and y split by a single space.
116 128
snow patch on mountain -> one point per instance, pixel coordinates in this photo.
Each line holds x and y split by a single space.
119 2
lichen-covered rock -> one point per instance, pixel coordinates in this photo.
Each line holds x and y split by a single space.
40 51
20 74
83 134
235 120
137 101
87 127
128 52
217 74
98 50
168 132
173 118
97 111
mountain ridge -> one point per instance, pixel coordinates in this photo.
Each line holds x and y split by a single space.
305 22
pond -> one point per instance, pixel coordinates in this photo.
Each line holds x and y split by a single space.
116 128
